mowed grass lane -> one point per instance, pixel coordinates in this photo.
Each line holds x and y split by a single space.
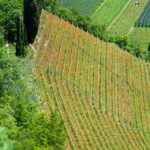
99 90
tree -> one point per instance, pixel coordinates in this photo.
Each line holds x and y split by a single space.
50 5
149 47
8 12
20 38
32 11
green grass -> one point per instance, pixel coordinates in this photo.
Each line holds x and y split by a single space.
107 12
141 37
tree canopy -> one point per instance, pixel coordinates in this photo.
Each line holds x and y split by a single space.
9 9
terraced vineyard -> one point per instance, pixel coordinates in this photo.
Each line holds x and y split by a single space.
107 12
85 7
144 19
101 92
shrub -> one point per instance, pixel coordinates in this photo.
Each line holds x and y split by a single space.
122 41
136 52
20 111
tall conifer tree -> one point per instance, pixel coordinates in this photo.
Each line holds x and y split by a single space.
32 11
20 40
149 47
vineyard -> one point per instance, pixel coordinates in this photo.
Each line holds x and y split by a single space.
101 92
107 12
124 23
85 7
144 19
126 20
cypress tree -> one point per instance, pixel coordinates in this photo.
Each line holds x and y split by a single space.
23 39
149 47
32 11
20 40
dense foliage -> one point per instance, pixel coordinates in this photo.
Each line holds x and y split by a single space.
22 124
9 9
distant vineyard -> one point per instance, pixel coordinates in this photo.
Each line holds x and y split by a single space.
144 19
85 7
125 22
107 12
101 92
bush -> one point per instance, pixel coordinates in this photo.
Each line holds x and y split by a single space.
5 142
122 41
136 52
20 109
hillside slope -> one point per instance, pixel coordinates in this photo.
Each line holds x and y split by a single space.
101 92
